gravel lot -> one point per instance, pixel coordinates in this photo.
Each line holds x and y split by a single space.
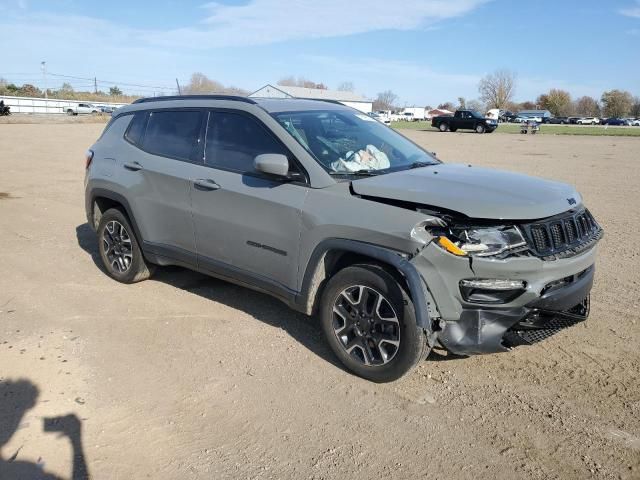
184 376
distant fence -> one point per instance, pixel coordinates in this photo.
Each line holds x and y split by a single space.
46 105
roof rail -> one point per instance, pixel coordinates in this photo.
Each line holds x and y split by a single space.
328 100
234 98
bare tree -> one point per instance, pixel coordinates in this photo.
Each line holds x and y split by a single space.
587 106
558 102
346 87
635 108
291 81
447 106
475 105
616 103
385 101
462 103
497 89
200 83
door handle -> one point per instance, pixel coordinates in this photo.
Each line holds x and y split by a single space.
206 184
133 166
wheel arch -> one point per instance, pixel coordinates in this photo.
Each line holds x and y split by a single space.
332 255
101 200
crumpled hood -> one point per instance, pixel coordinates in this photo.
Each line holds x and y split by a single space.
481 193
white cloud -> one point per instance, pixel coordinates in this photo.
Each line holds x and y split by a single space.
262 22
633 12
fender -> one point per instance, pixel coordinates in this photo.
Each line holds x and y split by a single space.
116 197
391 257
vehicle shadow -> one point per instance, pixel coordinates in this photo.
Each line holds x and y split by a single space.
304 329
16 398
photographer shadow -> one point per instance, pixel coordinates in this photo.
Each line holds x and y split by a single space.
16 398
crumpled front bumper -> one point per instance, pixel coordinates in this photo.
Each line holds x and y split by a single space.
544 308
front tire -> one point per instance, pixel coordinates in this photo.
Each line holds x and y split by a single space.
369 322
119 249
443 127
480 128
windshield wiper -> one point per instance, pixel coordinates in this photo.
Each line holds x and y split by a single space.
358 173
421 164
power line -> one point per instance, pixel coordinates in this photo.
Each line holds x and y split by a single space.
30 76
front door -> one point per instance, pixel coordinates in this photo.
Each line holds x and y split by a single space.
245 222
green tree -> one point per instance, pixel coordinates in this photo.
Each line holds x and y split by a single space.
616 103
115 91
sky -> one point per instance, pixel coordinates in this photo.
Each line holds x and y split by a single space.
425 51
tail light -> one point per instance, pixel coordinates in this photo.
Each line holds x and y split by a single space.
88 156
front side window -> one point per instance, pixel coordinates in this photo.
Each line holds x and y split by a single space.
173 133
346 142
234 140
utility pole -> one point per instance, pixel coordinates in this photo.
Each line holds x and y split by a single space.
95 85
43 67
179 91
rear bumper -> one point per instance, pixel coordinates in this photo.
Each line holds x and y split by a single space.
491 330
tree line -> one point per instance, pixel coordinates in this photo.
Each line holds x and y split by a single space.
497 90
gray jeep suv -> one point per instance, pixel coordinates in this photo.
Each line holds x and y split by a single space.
338 215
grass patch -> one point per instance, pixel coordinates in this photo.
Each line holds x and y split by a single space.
544 129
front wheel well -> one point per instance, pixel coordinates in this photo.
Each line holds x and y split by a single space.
334 261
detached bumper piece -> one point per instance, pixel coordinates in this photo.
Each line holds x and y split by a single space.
542 324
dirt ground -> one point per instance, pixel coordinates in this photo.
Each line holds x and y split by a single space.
184 376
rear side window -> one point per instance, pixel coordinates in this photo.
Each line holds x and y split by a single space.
233 141
173 133
135 132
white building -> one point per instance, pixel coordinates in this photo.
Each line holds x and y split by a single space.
349 99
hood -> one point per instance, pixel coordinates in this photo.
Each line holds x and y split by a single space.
480 193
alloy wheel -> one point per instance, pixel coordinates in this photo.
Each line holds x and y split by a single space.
366 325
117 246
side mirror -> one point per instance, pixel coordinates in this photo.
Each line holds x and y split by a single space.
272 164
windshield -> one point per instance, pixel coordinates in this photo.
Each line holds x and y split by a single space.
345 142
476 114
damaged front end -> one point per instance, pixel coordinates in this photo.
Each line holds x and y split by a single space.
497 286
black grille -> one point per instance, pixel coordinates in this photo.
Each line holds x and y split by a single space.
541 325
568 234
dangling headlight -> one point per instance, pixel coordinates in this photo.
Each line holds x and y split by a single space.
481 241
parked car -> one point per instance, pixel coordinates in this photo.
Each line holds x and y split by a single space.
507 116
105 109
540 116
81 109
636 122
616 122
341 217
464 120
380 118
559 120
588 121
574 120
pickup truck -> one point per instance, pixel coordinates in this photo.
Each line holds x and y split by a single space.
465 120
81 108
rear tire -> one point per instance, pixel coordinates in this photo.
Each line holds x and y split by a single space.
370 324
119 249
444 127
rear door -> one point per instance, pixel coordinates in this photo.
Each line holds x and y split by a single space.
246 223
158 174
